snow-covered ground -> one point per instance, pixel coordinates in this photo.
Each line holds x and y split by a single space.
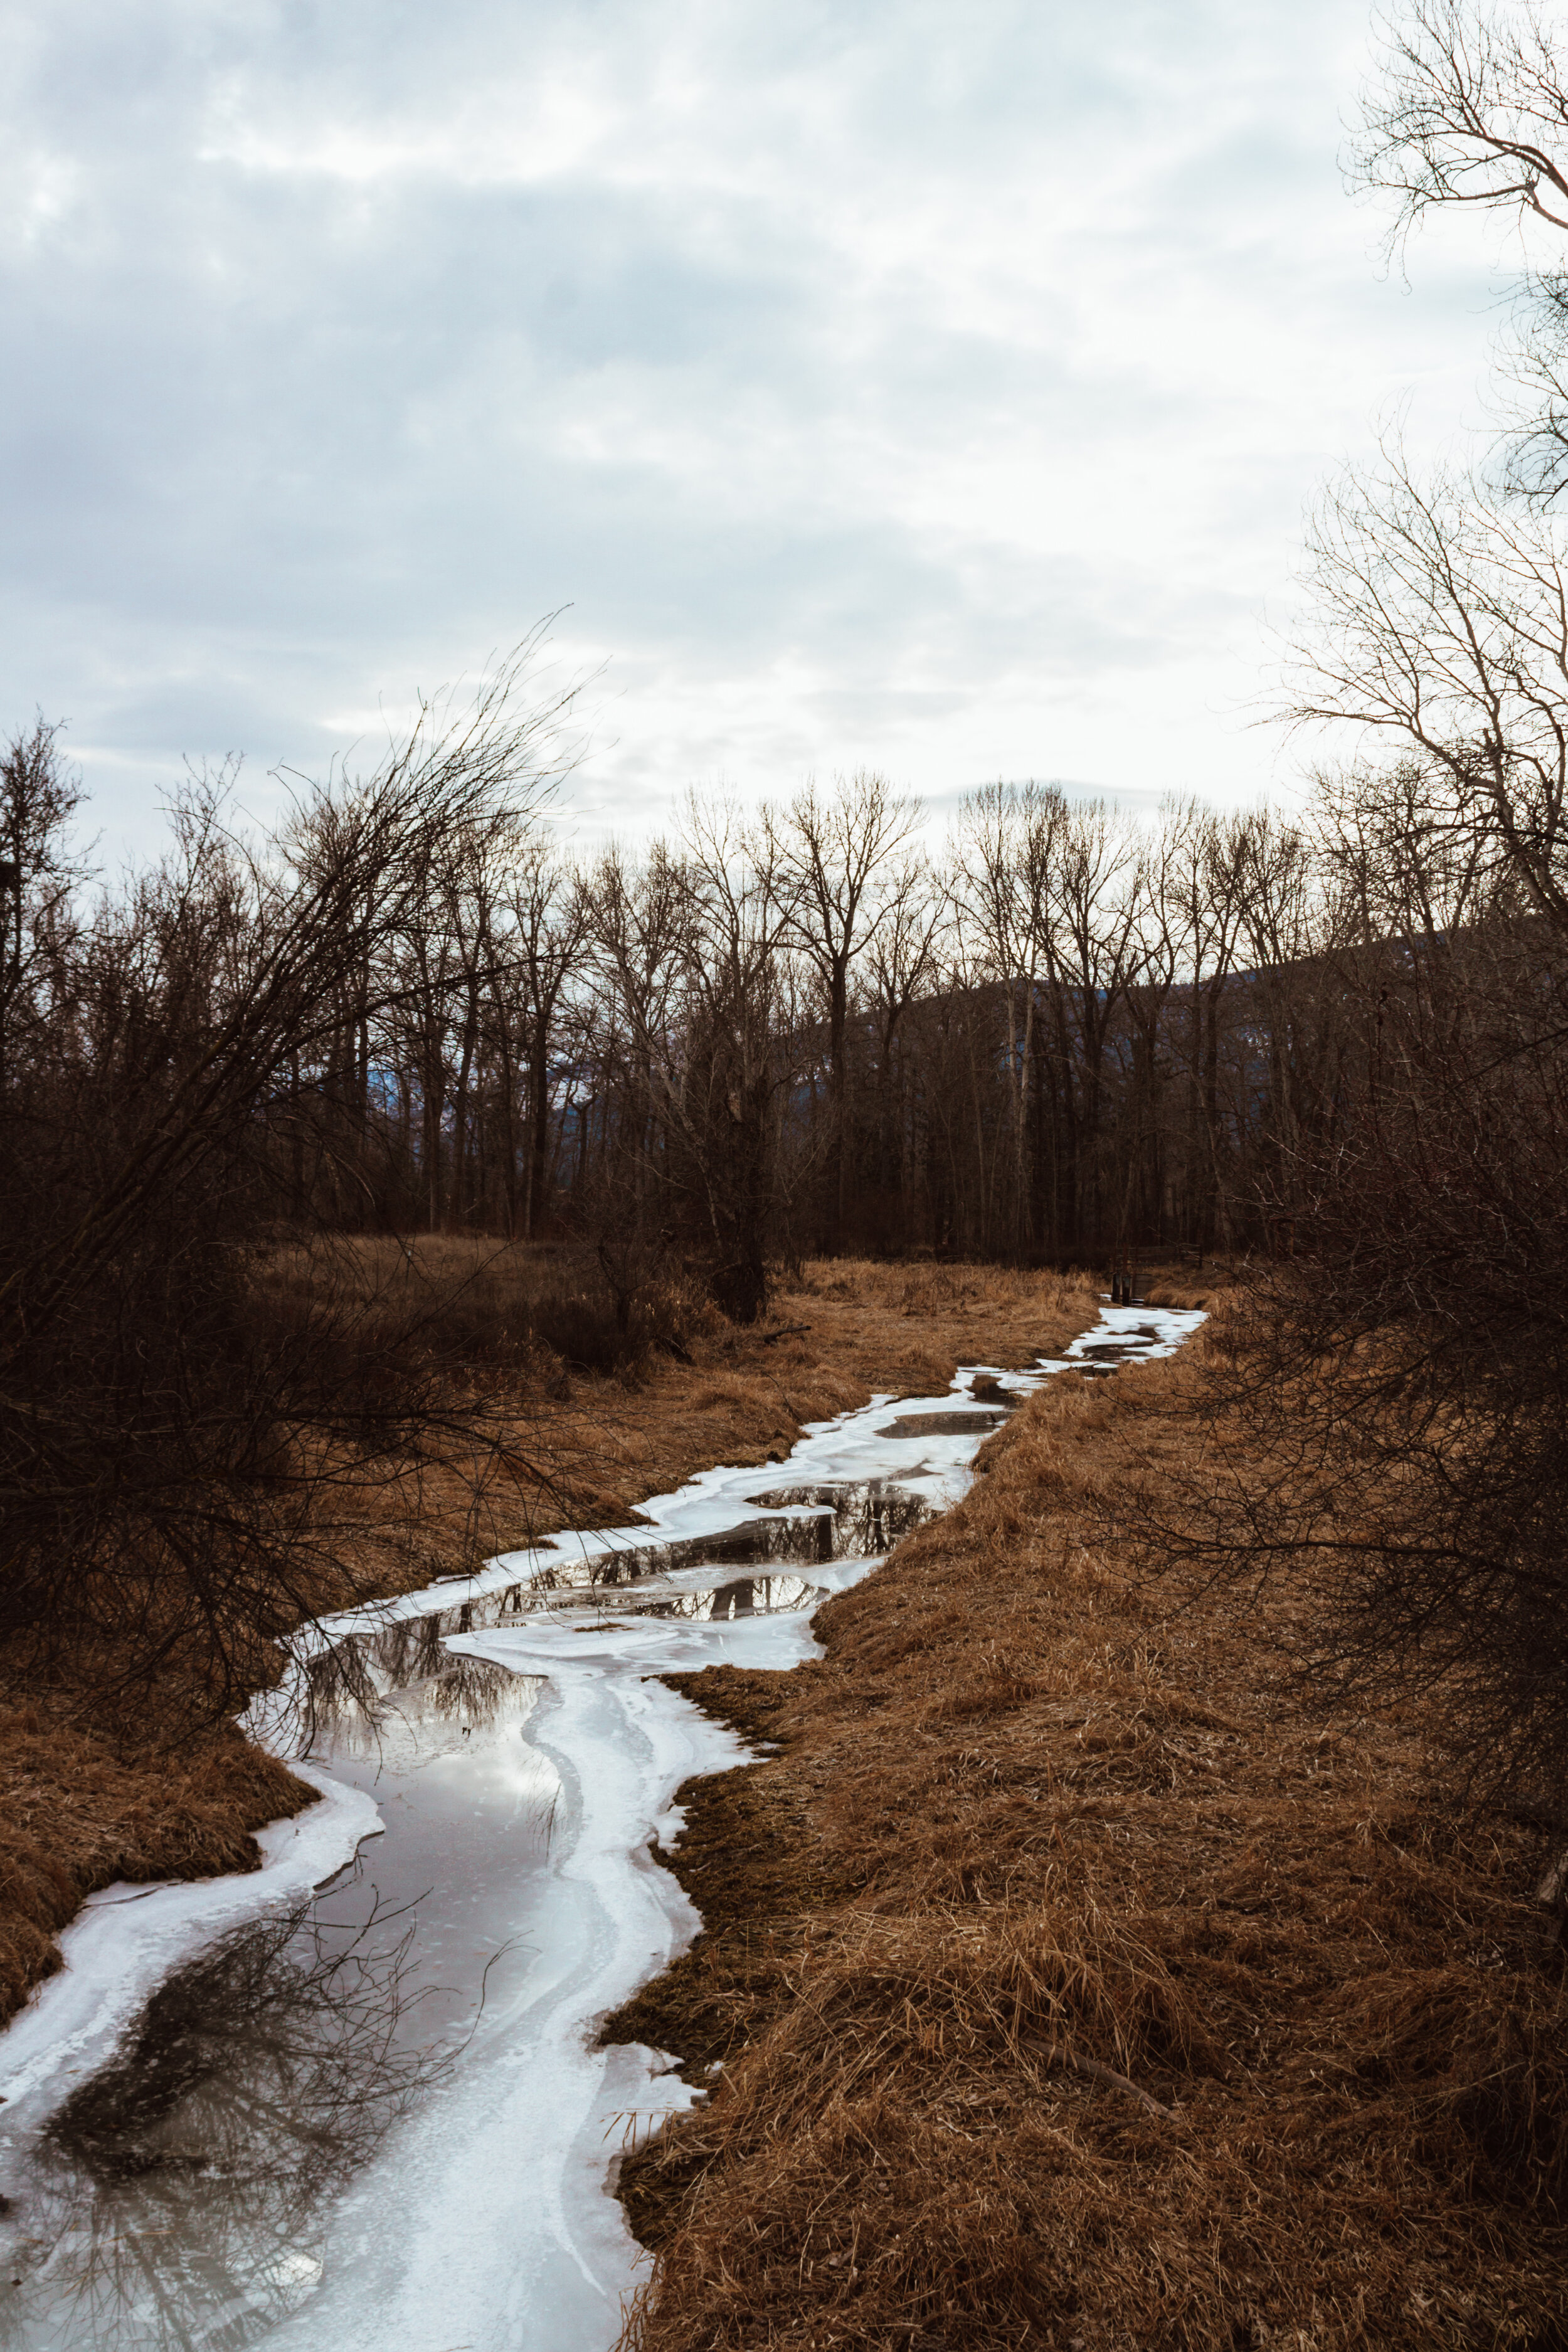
484 2220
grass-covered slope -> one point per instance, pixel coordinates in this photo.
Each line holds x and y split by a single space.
79 1811
1077 1982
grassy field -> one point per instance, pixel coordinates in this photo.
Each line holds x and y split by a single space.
86 1798
1077 1981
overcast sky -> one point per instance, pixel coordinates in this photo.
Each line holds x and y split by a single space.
930 387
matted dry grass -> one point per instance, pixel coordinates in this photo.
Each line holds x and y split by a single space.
1077 1982
76 1812
581 1450
84 1801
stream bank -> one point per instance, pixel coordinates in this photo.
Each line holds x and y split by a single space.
90 1795
520 1749
1084 1977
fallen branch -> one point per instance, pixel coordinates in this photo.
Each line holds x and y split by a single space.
1058 2055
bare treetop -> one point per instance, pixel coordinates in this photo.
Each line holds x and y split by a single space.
1470 107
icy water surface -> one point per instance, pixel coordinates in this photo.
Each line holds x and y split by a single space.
354 2100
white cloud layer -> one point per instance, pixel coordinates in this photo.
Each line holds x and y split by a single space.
924 386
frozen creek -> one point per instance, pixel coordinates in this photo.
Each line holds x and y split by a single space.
354 2100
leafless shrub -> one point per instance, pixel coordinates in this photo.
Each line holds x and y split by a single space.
1399 1371
177 1465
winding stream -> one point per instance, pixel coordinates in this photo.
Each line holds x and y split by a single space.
354 2100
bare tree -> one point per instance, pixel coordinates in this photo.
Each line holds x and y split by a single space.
1469 110
170 1458
1095 958
725 1099
1204 870
701 1017
38 874
548 920
1469 107
1440 631
840 852
1005 871
902 962
639 917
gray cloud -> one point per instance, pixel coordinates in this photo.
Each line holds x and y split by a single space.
887 383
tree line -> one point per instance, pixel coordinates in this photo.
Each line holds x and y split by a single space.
1060 1036
1333 1045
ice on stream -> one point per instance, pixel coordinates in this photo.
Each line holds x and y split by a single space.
509 1736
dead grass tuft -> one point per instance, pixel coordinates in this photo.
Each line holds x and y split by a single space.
77 1813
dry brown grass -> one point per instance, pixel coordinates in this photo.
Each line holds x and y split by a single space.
76 1815
84 1801
583 1449
1079 1984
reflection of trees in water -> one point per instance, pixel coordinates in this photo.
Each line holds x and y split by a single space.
177 2190
176 2196
352 1690
409 1649
739 1598
348 1691
744 1596
870 1515
473 1690
338 1692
